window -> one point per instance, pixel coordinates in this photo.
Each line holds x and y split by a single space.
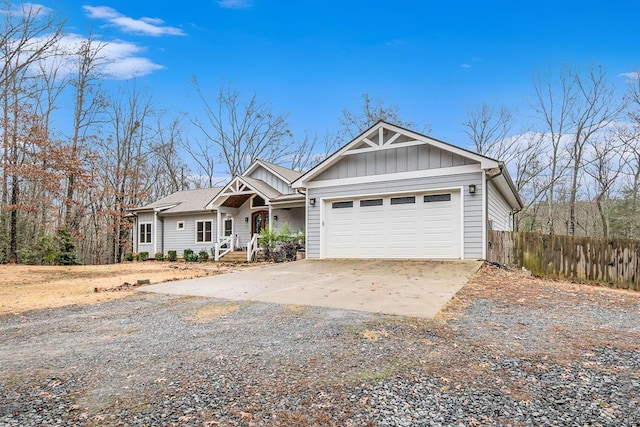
228 227
180 225
341 205
403 200
145 233
437 198
204 232
371 202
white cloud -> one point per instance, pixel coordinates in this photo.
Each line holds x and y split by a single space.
635 75
27 9
235 4
118 59
145 25
465 66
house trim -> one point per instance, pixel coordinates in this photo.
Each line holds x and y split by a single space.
203 232
139 234
304 180
425 173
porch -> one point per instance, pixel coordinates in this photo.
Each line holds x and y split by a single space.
246 207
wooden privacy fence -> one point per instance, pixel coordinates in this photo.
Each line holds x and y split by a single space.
615 262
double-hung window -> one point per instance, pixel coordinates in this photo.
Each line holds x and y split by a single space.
145 233
204 231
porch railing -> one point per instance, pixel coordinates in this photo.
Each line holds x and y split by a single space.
252 247
223 247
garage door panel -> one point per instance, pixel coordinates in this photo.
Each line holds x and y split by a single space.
401 230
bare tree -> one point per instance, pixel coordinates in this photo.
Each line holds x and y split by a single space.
594 108
553 105
239 132
370 112
604 164
89 103
489 129
27 36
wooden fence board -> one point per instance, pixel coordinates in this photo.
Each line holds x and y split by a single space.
615 262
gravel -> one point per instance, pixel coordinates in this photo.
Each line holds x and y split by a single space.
154 360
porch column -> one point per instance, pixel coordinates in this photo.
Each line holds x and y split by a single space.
272 226
218 224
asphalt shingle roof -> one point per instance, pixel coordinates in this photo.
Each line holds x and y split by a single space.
184 201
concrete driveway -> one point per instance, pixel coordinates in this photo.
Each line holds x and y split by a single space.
407 288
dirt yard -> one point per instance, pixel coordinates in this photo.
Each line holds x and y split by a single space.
28 287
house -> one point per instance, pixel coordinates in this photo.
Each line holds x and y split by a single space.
389 193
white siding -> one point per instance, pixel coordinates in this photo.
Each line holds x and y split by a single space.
472 239
498 210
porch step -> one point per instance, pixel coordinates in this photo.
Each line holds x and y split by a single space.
235 256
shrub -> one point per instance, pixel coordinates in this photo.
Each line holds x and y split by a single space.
66 246
42 252
187 254
159 256
203 255
143 256
172 255
128 256
282 245
191 257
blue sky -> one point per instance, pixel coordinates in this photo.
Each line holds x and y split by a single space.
433 60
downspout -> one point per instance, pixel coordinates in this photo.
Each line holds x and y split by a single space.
485 238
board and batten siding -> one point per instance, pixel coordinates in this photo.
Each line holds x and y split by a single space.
472 238
269 178
402 159
145 217
498 210
179 240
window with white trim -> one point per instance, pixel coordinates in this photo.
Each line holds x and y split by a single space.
180 225
145 233
204 231
228 227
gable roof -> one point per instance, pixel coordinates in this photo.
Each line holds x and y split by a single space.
362 144
287 175
183 201
243 185
368 141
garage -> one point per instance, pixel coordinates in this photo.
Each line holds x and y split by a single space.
402 226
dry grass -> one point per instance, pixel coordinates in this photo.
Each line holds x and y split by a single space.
214 311
24 288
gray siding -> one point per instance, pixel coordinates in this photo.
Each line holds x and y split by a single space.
472 205
179 240
142 218
498 210
272 180
293 216
403 159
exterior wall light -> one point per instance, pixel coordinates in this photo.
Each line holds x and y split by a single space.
275 217
472 189
312 201
246 219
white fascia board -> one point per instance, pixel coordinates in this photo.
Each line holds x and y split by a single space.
424 173
257 163
164 208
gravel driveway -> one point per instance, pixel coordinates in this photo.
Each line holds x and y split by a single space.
510 350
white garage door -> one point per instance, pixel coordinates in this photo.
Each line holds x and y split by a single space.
421 225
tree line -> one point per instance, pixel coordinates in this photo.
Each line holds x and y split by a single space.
577 161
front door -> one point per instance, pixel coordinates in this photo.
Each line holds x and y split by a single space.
259 221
